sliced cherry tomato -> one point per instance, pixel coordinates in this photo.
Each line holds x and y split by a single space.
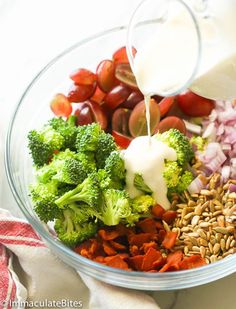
98 96
120 56
165 105
80 93
120 121
125 75
137 120
106 75
83 77
121 140
61 106
117 96
171 122
195 106
133 99
89 112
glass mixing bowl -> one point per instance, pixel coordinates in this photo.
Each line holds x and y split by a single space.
31 112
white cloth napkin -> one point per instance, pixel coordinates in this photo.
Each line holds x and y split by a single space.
31 275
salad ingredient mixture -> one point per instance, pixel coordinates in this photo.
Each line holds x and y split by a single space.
119 197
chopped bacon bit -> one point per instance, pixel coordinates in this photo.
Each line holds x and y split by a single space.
169 216
108 235
88 248
124 231
134 250
149 259
161 235
117 262
108 248
99 259
116 245
148 225
136 262
147 245
172 262
158 211
192 262
141 238
169 240
159 225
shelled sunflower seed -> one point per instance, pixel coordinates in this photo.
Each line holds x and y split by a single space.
206 222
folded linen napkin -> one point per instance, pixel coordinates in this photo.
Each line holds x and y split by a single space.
30 275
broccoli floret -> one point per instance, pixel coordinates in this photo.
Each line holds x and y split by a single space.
105 146
45 173
116 206
43 197
84 212
179 142
87 137
140 184
67 129
172 173
71 232
184 182
115 167
142 203
198 142
87 192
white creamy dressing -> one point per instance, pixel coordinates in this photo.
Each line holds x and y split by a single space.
165 62
148 159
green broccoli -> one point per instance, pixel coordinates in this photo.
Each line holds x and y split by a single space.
87 192
184 182
115 168
115 207
105 146
84 212
43 198
198 142
71 232
87 137
142 203
179 142
172 173
67 129
140 184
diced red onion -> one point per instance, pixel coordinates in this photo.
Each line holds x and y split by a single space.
191 127
210 132
195 186
232 187
225 173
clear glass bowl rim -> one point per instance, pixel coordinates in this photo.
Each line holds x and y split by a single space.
68 253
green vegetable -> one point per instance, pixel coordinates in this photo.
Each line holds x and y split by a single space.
87 192
179 142
115 168
43 197
105 146
67 129
142 203
70 231
116 206
198 142
87 137
172 173
140 184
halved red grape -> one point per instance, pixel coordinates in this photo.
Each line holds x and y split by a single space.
61 106
98 96
133 99
121 140
120 121
137 120
166 104
89 112
84 114
195 106
83 77
120 56
80 93
117 96
125 75
106 75
171 122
